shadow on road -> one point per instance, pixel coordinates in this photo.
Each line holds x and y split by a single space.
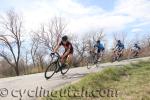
69 76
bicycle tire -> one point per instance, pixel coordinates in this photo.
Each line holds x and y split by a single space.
89 63
113 59
93 61
52 67
62 69
88 66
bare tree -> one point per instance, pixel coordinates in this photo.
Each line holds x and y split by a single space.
98 36
81 48
50 34
7 70
40 60
34 48
10 39
93 37
120 36
37 52
148 40
85 45
44 39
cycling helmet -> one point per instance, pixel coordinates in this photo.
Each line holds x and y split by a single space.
98 41
64 38
135 44
119 41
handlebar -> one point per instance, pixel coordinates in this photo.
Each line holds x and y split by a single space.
56 54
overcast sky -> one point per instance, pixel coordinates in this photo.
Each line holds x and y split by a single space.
131 16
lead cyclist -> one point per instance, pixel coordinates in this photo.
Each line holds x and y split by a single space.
68 54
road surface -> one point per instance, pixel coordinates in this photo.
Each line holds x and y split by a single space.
31 87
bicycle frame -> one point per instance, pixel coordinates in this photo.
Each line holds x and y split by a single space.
57 66
94 57
116 55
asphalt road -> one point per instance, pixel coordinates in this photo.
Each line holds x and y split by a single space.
31 87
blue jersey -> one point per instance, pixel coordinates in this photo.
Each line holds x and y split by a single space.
120 46
99 46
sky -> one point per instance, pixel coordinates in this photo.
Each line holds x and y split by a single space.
83 16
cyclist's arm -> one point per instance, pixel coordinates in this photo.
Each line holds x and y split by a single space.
95 46
116 46
93 50
56 48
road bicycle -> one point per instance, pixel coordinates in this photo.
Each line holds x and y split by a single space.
117 55
134 53
93 59
56 66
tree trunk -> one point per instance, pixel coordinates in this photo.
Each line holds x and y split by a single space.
17 71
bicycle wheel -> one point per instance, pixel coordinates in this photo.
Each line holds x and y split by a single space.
65 69
50 71
113 59
98 62
88 63
92 62
89 66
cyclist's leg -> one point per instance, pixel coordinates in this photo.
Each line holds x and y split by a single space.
69 59
63 59
138 51
116 53
121 51
102 52
96 56
136 54
98 53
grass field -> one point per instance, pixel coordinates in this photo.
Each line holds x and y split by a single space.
130 82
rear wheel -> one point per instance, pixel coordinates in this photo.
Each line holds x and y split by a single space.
88 63
135 54
50 71
64 69
92 61
120 57
113 58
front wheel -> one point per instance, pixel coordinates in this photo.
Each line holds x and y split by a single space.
50 70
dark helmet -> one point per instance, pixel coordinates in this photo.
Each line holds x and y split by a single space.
119 41
64 38
98 41
135 44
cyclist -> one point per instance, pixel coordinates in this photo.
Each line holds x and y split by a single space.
119 49
136 49
68 54
100 49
